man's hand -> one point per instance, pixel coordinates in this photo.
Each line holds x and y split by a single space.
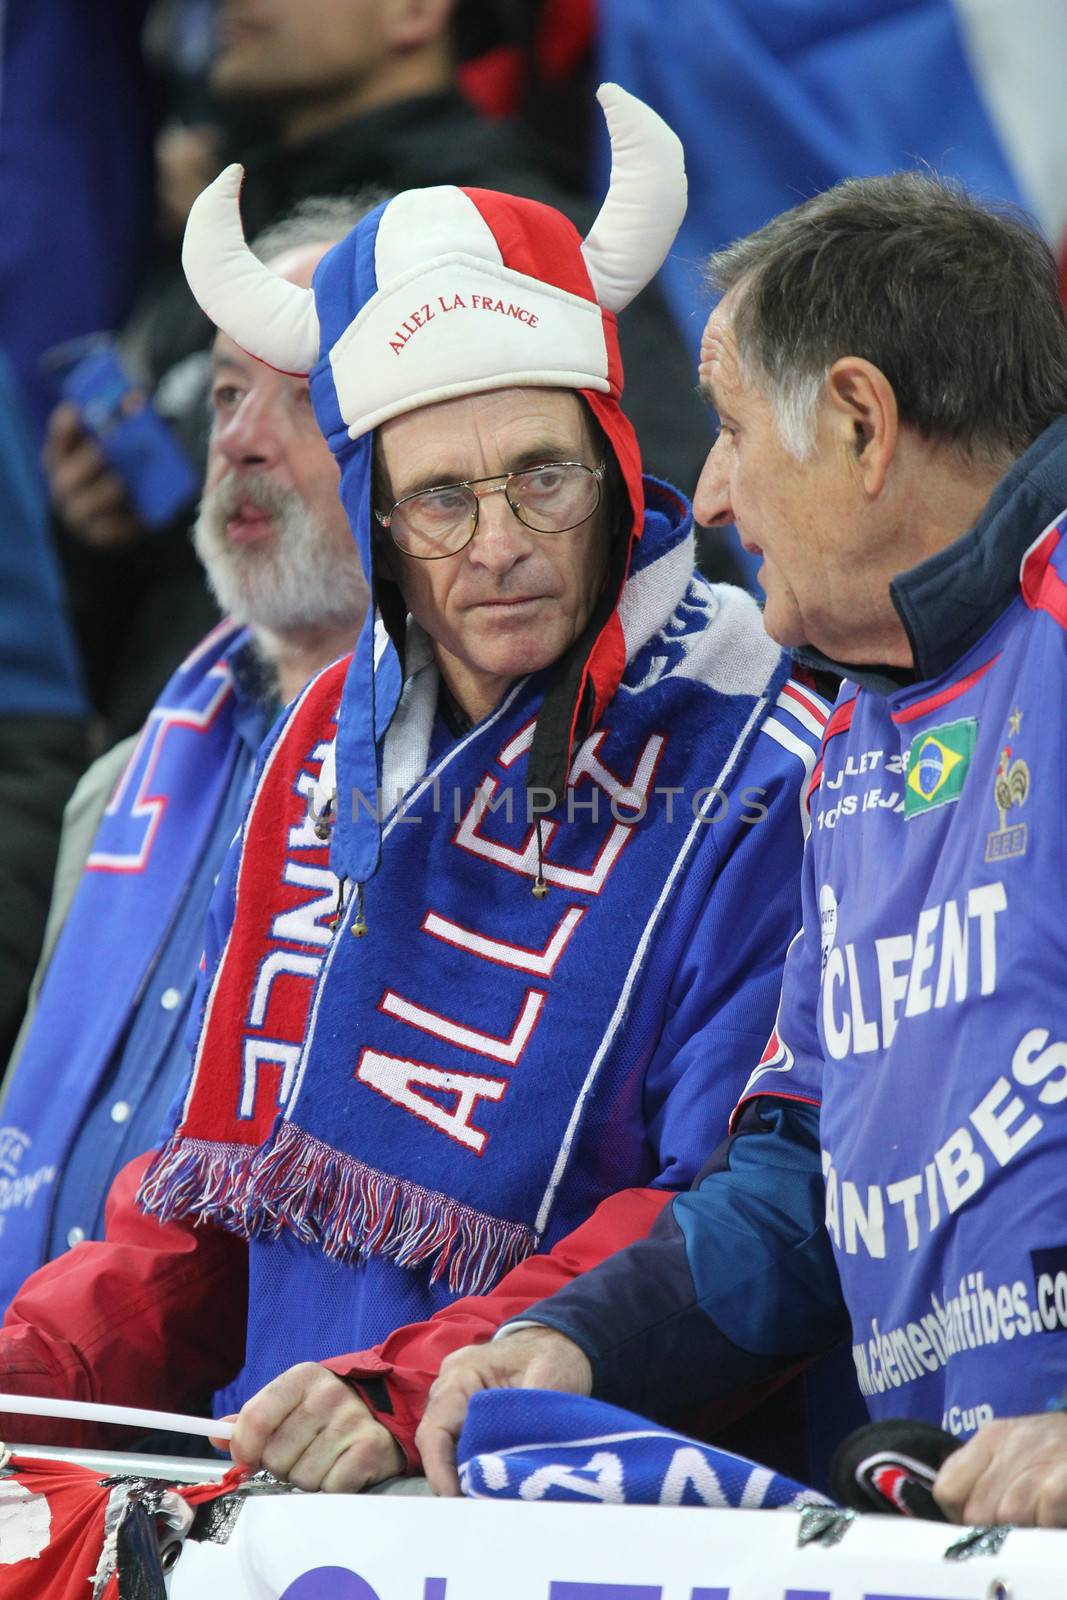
1014 1470
90 499
312 1429
533 1358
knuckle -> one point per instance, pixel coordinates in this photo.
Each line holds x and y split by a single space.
973 1511
306 1478
1016 1503
1051 1499
946 1493
348 1475
278 1460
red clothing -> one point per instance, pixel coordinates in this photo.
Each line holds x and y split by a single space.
151 1316
154 1315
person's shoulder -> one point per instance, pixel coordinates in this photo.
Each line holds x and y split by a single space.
1043 574
784 756
798 716
96 785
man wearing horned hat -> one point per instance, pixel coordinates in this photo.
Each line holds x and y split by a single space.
514 884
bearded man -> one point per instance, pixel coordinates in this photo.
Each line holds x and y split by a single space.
513 884
102 1052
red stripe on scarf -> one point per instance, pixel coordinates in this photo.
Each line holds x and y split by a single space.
256 1008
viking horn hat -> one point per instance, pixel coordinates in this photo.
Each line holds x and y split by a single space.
430 241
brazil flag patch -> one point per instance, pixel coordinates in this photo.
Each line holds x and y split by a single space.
937 765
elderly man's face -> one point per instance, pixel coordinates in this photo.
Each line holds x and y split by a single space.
798 515
271 530
512 600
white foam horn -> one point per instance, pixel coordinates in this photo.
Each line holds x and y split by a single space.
645 202
263 313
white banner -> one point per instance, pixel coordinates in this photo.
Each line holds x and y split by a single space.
341 1547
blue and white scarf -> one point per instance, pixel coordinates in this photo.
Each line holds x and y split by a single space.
538 1444
473 1019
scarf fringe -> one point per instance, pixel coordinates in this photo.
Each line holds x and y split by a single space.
200 1179
329 1199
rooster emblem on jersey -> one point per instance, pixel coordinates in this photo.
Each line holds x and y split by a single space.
1011 787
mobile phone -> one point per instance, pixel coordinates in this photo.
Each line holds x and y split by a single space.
159 476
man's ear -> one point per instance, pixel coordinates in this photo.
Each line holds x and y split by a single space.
864 407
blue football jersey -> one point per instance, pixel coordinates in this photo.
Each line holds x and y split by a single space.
925 1001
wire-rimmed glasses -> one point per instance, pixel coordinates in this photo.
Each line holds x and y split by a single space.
441 521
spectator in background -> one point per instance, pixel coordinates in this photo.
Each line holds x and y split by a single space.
43 710
357 94
102 1053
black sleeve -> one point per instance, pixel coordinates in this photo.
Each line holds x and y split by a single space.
41 759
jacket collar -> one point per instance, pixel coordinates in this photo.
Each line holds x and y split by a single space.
950 600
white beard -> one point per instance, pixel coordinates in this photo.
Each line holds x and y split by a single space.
305 575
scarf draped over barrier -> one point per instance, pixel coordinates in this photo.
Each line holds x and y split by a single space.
537 1444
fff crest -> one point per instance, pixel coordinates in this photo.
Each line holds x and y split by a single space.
1011 788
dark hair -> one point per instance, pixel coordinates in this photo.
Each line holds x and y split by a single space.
957 304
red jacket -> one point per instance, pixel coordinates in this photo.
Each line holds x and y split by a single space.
154 1315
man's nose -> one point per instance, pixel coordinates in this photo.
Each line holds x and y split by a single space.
251 435
712 505
500 539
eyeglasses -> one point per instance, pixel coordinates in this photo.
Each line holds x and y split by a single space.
437 522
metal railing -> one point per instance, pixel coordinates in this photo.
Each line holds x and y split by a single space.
175 1469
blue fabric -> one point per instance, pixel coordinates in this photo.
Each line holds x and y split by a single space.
134 1095
948 1229
100 1021
40 674
945 1227
536 1444
76 189
702 1009
737 1275
776 101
